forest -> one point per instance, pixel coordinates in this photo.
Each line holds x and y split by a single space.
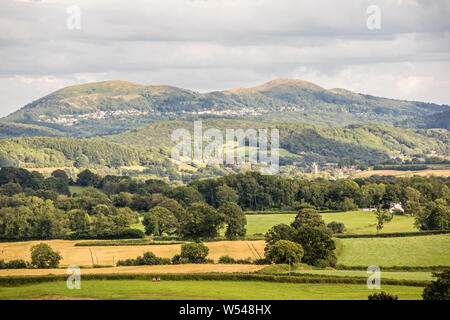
35 207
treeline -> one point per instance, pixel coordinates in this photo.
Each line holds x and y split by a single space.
34 207
428 198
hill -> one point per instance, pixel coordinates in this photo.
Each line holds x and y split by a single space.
48 152
306 143
435 120
111 107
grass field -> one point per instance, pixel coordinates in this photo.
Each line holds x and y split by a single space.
355 222
260 223
76 189
87 256
403 251
304 269
201 290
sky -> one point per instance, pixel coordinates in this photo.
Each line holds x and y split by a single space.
390 48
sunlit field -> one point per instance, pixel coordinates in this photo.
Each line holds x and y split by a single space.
201 290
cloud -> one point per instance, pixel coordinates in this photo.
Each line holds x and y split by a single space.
218 44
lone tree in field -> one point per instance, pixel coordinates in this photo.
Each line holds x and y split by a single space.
194 252
382 216
43 256
235 219
336 227
285 251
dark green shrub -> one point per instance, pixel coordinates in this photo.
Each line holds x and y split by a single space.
382 296
243 261
177 259
127 262
336 227
147 259
226 260
2 264
17 264
261 261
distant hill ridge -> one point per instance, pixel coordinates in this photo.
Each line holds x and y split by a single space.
111 107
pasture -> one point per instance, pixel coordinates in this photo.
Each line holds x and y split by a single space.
355 222
402 251
304 269
201 290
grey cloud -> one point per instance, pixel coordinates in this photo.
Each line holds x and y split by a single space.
219 44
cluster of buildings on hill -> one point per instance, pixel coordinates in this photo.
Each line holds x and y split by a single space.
70 119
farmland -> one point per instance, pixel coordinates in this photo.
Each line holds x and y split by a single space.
355 222
109 255
201 290
406 251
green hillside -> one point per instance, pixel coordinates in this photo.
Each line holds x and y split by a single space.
45 152
365 143
112 107
146 150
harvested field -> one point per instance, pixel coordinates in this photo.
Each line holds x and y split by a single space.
89 256
400 173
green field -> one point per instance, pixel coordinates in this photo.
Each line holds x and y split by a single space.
201 290
261 223
355 222
304 269
402 251
76 189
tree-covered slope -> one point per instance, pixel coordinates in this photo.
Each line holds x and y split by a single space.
365 143
40 152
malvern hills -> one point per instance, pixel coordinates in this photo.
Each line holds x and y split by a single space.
112 107
118 127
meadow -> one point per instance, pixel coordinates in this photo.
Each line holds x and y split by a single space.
201 290
355 222
308 270
404 251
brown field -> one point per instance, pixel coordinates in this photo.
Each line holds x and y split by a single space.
108 256
182 268
398 173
